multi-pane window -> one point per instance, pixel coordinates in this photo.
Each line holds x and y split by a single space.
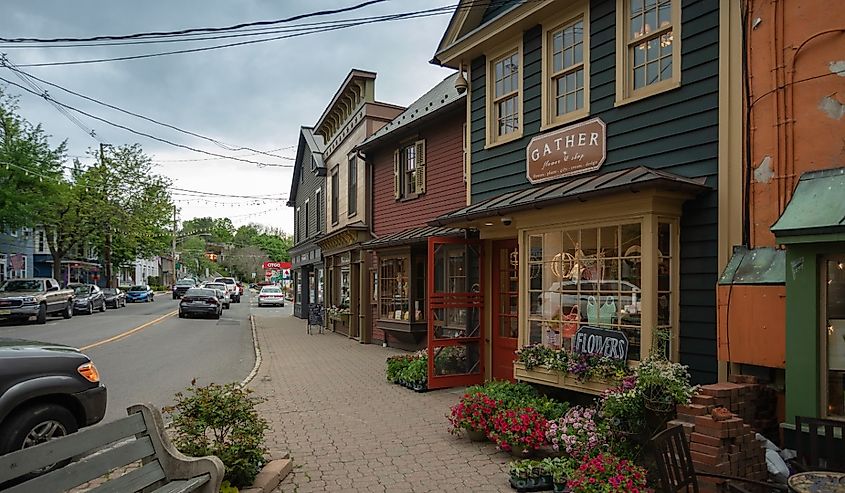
567 68
833 275
409 169
651 42
297 227
352 180
318 207
394 302
307 220
335 196
506 94
41 242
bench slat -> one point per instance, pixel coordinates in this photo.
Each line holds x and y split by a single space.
133 480
184 486
24 461
93 467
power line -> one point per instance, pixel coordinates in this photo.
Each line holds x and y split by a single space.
400 16
4 61
198 29
47 97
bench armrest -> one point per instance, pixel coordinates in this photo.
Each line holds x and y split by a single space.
175 464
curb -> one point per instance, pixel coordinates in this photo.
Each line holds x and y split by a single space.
257 351
270 476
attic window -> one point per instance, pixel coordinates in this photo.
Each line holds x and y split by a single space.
313 164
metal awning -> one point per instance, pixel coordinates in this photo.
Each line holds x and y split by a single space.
763 265
578 188
411 236
816 211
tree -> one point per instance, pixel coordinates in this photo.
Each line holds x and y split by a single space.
30 170
243 261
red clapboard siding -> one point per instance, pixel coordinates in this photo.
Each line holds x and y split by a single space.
445 187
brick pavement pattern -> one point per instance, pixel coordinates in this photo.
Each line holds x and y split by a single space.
348 429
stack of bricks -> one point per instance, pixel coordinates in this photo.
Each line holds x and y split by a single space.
726 446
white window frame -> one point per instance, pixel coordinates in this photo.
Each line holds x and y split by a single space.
318 195
549 107
298 226
625 92
307 232
492 124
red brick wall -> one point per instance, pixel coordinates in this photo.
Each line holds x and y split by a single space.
445 187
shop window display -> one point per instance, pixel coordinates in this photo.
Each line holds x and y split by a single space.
834 306
588 276
394 303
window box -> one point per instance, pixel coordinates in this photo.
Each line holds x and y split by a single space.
554 378
339 317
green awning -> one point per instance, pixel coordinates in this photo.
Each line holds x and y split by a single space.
764 265
816 211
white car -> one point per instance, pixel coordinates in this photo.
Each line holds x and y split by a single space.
223 292
231 286
271 295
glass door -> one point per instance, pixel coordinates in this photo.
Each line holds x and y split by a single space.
834 335
505 308
455 300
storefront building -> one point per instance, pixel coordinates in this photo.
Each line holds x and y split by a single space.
307 198
592 193
785 283
351 117
417 162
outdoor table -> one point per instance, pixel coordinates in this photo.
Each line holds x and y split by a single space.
817 482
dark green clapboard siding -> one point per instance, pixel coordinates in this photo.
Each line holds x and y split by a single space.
676 131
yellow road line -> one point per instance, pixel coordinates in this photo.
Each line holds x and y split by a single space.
128 332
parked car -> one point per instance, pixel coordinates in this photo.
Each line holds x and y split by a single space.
115 297
46 391
231 286
37 296
201 301
141 292
181 286
240 288
88 297
223 293
271 295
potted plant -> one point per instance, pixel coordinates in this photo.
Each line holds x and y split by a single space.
520 431
529 475
473 415
606 473
578 433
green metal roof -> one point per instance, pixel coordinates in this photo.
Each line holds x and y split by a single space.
817 207
763 265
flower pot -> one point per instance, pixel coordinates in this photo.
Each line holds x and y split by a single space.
534 483
561 488
476 435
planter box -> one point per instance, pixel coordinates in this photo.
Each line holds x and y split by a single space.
340 318
553 378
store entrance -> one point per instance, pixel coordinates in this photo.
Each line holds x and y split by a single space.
833 315
455 330
505 307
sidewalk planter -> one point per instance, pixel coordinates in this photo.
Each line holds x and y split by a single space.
546 376
537 483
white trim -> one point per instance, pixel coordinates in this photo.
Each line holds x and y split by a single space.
548 106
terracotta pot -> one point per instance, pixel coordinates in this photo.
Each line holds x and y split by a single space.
476 435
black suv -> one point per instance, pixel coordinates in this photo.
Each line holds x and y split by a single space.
46 391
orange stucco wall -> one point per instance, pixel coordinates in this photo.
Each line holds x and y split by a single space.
796 67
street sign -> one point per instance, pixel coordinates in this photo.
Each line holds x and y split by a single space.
253 275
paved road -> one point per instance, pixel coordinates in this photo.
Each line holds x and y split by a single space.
162 356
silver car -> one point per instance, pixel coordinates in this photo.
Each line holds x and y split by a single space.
223 292
271 295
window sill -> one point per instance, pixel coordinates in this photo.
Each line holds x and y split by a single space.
408 197
353 214
565 121
647 92
503 140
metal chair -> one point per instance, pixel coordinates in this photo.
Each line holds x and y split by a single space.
817 451
674 465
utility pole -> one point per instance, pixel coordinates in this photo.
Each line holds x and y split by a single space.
107 247
173 249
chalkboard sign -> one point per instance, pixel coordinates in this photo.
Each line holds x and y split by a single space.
315 314
594 340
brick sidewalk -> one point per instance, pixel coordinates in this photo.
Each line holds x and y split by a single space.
347 429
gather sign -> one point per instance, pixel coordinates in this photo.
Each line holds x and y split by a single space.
572 150
595 340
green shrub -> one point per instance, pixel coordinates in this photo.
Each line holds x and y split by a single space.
221 420
517 395
395 366
416 372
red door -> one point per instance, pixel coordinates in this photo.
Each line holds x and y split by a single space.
455 300
505 307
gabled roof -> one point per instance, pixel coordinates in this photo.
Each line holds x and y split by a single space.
312 142
469 17
440 97
579 188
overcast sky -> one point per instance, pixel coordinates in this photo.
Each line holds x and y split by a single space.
253 96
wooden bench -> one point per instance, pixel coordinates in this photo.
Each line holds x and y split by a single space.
97 451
